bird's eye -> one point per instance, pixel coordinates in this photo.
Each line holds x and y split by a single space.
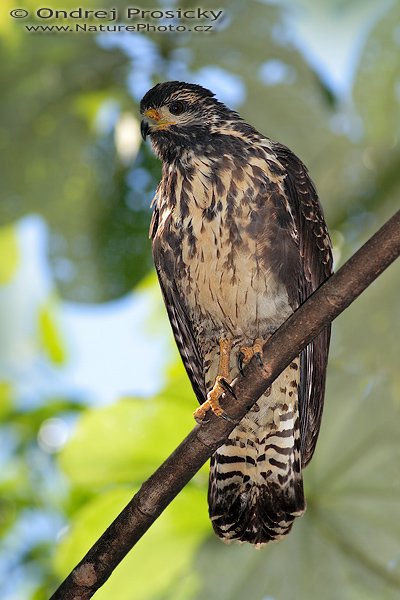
177 108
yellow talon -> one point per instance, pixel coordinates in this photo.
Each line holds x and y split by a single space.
220 386
246 353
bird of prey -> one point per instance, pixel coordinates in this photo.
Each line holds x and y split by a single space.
239 242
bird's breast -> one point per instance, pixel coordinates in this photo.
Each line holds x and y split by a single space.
219 262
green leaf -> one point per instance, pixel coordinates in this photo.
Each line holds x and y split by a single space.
6 397
49 334
9 253
125 442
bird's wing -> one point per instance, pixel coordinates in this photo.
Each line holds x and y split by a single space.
181 326
314 266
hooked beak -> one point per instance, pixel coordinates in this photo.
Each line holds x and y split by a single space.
144 129
153 121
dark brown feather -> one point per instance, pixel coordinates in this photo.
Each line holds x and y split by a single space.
180 323
315 267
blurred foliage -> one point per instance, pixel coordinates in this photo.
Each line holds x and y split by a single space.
62 96
64 101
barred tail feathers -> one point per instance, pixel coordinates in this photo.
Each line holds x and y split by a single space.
256 486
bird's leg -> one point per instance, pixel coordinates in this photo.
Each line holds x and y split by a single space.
246 353
220 386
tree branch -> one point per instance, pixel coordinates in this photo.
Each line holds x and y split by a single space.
158 491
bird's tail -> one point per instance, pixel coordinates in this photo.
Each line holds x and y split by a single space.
256 487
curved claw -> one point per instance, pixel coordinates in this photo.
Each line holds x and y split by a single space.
227 388
228 418
200 416
240 362
259 358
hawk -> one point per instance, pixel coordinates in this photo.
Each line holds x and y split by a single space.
239 242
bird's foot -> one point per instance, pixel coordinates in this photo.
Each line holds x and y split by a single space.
246 353
221 386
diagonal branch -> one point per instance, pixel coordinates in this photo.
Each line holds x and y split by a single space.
333 297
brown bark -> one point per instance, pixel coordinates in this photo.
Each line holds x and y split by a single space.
333 297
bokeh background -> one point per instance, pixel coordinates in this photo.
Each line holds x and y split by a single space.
92 393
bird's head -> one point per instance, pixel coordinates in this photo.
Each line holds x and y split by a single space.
179 116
